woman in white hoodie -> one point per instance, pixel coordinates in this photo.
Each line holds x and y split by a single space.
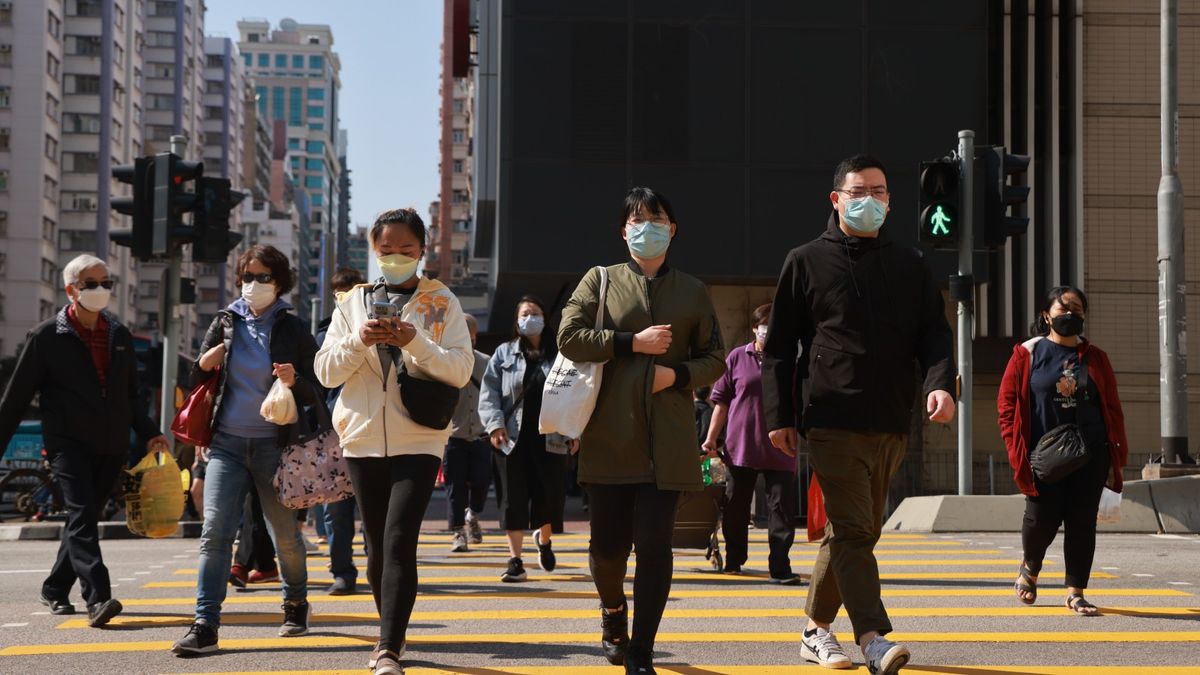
400 350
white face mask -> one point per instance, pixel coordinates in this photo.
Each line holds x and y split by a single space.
95 299
259 296
761 333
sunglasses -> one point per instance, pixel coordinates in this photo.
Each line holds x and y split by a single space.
93 284
264 278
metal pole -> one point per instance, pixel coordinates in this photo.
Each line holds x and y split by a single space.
315 320
169 323
966 308
1172 307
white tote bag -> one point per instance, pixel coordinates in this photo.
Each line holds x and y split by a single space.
569 396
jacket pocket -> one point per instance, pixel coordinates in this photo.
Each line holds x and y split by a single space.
355 408
834 375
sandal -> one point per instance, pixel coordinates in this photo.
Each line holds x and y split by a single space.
1077 604
1027 585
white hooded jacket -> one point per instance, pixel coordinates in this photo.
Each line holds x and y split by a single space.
370 418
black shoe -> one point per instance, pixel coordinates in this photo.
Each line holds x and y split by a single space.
343 586
515 571
58 606
732 569
201 638
103 612
615 627
295 618
546 559
639 662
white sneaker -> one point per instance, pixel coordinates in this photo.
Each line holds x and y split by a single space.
474 531
823 648
885 657
460 542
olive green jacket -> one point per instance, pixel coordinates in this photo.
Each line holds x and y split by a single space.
635 436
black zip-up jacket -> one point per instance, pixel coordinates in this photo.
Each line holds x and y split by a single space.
77 413
290 343
861 310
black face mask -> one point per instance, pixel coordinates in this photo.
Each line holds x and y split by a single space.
1067 325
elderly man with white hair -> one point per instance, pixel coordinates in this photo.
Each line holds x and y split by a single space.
82 364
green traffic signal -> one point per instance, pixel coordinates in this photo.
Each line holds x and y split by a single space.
939 222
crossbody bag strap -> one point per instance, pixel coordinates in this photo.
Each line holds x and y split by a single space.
603 297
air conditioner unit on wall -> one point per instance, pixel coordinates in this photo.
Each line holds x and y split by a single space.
5 49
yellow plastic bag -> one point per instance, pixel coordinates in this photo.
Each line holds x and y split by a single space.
279 407
153 499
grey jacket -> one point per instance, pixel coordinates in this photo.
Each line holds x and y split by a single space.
503 383
466 424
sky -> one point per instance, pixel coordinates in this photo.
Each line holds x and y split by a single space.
389 50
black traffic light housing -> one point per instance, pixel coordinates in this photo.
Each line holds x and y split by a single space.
999 195
140 175
214 203
938 206
171 200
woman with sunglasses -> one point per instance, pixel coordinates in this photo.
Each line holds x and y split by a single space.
249 344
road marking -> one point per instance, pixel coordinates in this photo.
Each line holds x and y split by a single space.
1110 569
535 593
15 625
272 618
24 571
503 555
1180 583
1157 637
1143 576
760 670
1169 536
127 579
142 573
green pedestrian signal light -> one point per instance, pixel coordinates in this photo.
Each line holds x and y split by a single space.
939 221
938 226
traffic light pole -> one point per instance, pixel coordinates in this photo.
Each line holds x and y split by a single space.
169 323
964 293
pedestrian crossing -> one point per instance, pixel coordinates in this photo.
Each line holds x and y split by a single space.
950 599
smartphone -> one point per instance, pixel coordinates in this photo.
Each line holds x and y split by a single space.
383 310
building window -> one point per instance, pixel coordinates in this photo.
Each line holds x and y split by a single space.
295 164
51 107
49 227
295 105
298 61
53 25
318 199
214 87
215 61
49 271
277 103
460 105
79 201
316 111
6 14
249 59
316 62
82 84
49 188
51 148
160 101
281 60
5 96
313 182
460 196
462 226
314 165
84 8
81 162
160 38
3 265
316 126
83 45
5 133
5 55
45 310
293 144
118 55
3 223
4 187
81 123
214 112
77 240
316 94
458 166
52 65
264 60
459 136
119 17
316 147
162 71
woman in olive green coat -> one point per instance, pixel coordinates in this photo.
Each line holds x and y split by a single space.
659 341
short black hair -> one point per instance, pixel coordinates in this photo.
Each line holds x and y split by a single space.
1039 325
760 315
855 164
406 217
647 199
274 260
526 344
346 278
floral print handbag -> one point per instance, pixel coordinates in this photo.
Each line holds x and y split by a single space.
312 470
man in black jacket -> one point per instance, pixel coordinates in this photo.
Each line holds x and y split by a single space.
82 364
862 309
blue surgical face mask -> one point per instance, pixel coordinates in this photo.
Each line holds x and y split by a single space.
648 240
865 214
531 325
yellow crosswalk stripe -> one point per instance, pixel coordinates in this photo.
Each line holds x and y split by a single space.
763 670
272 618
590 637
809 552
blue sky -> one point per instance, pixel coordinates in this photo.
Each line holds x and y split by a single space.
389 51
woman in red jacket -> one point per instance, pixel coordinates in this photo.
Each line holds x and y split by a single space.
1039 392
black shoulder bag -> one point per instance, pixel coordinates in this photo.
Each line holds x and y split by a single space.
1063 450
429 403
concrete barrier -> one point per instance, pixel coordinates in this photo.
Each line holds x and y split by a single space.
107 530
1137 510
1178 503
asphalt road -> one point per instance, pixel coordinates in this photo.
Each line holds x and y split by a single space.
950 598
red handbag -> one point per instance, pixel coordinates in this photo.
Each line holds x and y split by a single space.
816 511
193 423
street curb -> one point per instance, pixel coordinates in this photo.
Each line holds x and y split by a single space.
108 530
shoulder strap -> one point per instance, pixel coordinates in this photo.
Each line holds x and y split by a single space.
603 297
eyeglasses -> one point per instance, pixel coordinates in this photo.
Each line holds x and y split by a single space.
859 193
264 278
92 284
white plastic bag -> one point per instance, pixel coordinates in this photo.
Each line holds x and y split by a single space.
279 407
569 395
1110 507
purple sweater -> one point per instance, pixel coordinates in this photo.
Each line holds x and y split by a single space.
747 438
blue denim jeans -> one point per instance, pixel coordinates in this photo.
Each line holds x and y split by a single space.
235 466
339 526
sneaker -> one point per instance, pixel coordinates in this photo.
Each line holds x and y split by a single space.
474 531
103 612
732 569
387 664
546 559
789 580
822 647
238 576
615 629
376 651
296 616
343 586
460 542
885 657
310 546
58 606
201 638
639 662
260 577
515 571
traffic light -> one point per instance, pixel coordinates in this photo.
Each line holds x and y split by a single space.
171 200
214 202
938 206
139 175
998 195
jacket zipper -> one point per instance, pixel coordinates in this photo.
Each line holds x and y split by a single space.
650 401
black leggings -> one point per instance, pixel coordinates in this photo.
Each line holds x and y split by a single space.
624 516
392 494
1071 503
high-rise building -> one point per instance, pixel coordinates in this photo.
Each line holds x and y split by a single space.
452 228
296 77
343 214
61 64
357 250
